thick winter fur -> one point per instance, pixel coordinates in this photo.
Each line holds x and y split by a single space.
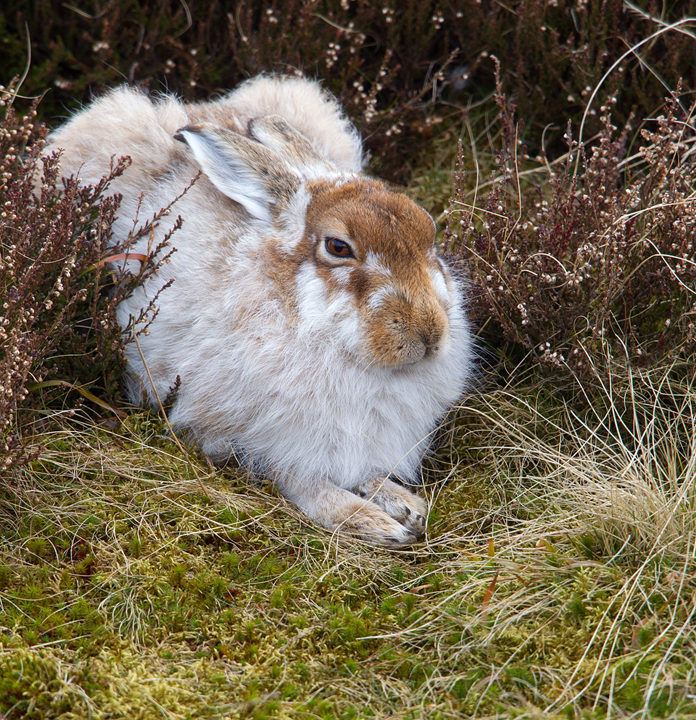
316 333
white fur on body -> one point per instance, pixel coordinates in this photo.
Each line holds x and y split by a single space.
273 366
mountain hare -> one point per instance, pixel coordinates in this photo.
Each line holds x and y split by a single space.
317 335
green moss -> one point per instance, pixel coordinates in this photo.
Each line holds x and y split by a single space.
5 576
576 606
177 576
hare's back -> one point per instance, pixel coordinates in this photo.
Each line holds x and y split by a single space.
125 122
301 102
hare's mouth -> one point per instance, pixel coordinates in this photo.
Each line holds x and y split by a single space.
414 352
392 345
408 355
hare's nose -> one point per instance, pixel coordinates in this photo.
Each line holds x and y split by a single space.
431 328
431 338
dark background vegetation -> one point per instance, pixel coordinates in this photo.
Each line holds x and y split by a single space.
399 68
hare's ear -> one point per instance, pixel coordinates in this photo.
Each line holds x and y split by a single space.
244 170
276 133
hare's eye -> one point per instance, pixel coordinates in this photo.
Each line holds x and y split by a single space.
338 247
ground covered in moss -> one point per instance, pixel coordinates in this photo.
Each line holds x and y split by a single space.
137 582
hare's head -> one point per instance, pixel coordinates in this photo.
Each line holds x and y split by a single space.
362 257
377 248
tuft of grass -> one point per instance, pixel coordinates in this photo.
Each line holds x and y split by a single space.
603 596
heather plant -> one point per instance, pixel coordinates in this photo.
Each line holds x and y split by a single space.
597 267
58 327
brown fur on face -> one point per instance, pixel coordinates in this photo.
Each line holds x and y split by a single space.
391 239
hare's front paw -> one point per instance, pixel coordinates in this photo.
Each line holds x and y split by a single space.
346 513
397 501
368 522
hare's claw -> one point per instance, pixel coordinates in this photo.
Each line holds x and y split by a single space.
398 502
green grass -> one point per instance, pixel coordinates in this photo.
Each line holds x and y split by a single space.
137 582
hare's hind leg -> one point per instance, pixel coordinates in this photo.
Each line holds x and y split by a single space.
397 501
342 511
